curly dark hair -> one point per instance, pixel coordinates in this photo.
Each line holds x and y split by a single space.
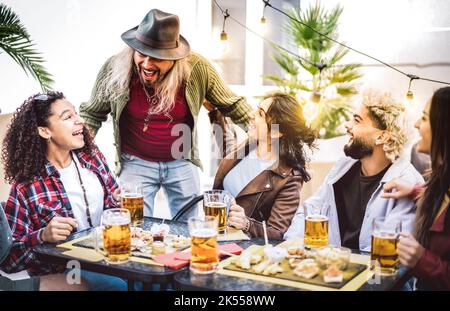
287 112
24 150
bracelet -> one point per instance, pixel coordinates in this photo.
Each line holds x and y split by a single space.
247 225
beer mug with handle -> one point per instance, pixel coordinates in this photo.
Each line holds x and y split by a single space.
114 235
132 199
217 203
316 225
385 234
204 247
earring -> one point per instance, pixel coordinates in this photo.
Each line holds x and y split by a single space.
49 140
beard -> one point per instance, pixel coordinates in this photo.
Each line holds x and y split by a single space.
147 83
358 149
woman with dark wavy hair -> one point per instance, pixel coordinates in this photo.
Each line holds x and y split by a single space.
60 182
427 251
266 173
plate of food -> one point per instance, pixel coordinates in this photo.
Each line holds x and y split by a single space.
146 243
331 268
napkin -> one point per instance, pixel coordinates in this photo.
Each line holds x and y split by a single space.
178 260
233 235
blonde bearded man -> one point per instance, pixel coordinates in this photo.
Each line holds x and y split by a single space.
353 188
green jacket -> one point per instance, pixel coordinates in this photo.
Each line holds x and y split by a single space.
203 83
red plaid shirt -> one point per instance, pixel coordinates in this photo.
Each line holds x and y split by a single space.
31 206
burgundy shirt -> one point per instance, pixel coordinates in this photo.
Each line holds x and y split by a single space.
433 268
156 142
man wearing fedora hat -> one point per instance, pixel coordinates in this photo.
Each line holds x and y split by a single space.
154 90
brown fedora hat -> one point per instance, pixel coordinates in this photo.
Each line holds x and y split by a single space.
158 36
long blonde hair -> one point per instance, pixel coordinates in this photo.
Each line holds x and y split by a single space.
120 70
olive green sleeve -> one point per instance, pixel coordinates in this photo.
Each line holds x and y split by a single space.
220 95
95 111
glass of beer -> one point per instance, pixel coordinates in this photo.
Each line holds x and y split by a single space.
384 257
132 199
316 226
204 248
116 235
217 203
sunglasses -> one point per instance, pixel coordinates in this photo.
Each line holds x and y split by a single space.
41 97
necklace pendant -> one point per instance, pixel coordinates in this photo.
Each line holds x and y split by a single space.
145 128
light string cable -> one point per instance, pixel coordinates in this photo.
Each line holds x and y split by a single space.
225 12
411 76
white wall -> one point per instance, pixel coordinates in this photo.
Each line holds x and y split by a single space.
400 31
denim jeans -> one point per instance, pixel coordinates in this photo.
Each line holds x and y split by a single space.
103 282
179 179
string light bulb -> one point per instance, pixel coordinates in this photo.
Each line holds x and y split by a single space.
263 26
410 94
263 21
224 45
315 97
310 111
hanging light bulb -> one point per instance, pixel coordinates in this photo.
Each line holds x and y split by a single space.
410 94
315 97
310 111
263 26
224 44
263 21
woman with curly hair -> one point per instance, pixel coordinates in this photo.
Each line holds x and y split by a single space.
60 181
266 173
427 251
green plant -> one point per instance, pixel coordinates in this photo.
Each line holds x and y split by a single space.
16 42
334 84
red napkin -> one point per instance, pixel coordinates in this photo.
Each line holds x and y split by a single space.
178 260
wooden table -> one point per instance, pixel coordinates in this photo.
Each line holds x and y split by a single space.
131 271
183 279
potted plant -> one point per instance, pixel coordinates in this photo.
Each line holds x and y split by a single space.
322 84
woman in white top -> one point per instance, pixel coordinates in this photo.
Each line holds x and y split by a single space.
60 183
266 173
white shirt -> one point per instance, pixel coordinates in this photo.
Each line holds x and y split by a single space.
244 172
94 193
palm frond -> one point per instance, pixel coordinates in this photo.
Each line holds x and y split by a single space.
16 42
317 48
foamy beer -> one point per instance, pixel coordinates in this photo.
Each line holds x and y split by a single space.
204 248
133 200
316 226
116 235
384 257
216 203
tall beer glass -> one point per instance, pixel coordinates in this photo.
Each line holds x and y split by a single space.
204 248
116 235
384 257
133 200
216 203
316 226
